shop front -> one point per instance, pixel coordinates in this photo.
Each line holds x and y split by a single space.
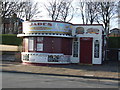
87 44
55 42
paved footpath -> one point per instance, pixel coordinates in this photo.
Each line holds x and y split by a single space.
107 71
8 48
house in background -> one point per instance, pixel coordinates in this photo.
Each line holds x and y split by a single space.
114 44
114 32
12 25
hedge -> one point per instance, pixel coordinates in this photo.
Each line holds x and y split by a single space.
10 39
114 42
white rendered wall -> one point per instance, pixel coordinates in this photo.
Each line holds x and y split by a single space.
95 37
43 58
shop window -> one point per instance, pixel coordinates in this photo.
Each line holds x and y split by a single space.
25 44
39 43
23 48
40 39
96 49
75 49
31 44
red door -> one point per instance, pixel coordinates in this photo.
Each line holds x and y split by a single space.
86 50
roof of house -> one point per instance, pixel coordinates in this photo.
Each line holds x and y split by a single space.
7 20
115 31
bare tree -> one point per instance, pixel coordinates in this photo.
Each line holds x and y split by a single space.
106 12
26 9
81 7
53 8
20 9
92 11
67 11
60 10
31 10
117 17
11 7
7 8
100 12
7 11
13 11
88 11
119 14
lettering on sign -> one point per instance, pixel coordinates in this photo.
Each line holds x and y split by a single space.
40 23
47 27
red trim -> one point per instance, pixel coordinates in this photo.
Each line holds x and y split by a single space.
86 50
47 44
48 21
35 44
88 24
62 22
38 43
26 44
97 64
44 64
86 38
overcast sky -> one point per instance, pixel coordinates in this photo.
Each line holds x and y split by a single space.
76 20
45 16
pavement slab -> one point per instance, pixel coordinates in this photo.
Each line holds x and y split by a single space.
9 48
105 71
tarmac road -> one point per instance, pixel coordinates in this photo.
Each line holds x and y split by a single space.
20 80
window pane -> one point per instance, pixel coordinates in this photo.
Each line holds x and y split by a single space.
39 47
96 49
39 43
31 44
39 39
75 49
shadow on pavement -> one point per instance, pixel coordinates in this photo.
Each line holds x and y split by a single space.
109 66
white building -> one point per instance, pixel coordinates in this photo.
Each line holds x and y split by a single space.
55 42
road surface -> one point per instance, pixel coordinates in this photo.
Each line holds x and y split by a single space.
20 80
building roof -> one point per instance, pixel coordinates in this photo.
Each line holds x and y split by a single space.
114 32
7 20
116 29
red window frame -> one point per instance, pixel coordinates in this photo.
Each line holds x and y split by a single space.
38 42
